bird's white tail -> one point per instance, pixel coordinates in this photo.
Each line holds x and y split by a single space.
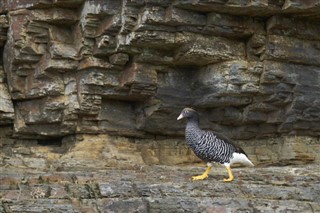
240 158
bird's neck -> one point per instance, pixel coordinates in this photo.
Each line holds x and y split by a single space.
192 132
193 124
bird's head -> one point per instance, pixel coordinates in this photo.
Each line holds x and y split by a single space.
188 113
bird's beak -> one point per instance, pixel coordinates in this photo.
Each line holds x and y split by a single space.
180 117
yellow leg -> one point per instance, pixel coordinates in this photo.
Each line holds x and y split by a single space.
230 175
203 176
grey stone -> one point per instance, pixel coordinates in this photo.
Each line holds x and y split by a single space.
117 189
229 26
35 163
119 59
253 8
176 16
293 27
290 49
208 50
126 205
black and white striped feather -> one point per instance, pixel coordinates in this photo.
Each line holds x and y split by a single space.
208 145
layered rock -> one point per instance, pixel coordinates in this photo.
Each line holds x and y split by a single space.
90 86
127 68
100 151
6 105
162 189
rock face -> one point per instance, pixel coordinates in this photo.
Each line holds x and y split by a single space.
161 189
127 68
87 87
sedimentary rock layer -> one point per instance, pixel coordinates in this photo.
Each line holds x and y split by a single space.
128 67
161 189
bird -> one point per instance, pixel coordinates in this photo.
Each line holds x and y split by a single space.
211 147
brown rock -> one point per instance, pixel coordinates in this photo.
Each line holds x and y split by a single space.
295 149
141 81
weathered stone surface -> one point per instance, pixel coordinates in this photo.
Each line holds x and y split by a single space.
90 86
255 8
4 24
141 81
293 27
310 8
103 150
208 50
162 189
78 174
229 25
290 49
175 16
153 59
6 105
119 59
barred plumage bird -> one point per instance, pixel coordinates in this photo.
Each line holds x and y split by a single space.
210 146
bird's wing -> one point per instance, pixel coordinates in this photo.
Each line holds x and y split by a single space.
227 140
